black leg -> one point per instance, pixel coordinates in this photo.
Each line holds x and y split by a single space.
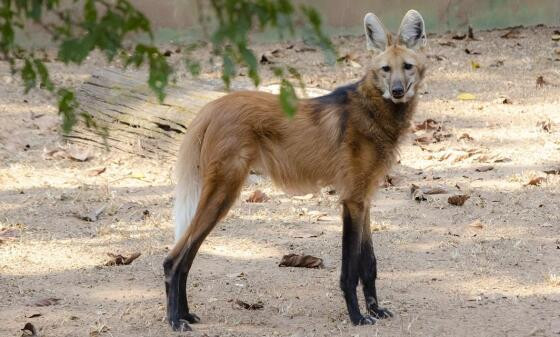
368 272
352 219
176 302
186 315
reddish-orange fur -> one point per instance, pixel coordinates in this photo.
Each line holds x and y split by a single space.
348 140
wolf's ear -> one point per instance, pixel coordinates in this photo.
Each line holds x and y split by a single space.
376 37
412 32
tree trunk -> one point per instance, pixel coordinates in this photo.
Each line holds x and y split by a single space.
122 104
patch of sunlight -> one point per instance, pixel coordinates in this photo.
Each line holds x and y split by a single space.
505 287
238 248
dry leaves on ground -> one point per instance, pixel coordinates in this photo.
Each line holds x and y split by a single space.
254 306
96 171
306 261
118 259
257 196
428 124
466 137
458 200
537 181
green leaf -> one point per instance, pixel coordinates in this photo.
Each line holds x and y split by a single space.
43 75
252 64
67 105
228 71
288 98
28 76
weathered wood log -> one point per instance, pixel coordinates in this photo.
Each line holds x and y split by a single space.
123 104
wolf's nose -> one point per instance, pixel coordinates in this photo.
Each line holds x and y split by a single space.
397 92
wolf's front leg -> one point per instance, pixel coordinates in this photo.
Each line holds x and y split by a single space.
368 272
352 220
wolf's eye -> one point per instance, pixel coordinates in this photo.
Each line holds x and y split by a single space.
407 66
386 68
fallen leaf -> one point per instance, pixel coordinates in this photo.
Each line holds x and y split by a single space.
557 171
47 302
257 196
34 315
465 96
119 260
97 171
475 65
537 181
511 34
467 137
476 224
255 306
428 124
448 44
471 52
29 330
416 193
307 261
540 82
439 136
304 197
497 64
545 125
458 200
484 169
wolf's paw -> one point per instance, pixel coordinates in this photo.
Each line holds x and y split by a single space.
380 313
191 318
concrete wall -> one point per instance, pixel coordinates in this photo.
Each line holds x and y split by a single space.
440 15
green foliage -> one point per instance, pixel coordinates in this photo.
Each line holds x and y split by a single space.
104 25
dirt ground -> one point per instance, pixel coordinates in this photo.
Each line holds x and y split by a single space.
488 268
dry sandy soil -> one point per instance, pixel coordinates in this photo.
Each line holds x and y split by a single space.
488 268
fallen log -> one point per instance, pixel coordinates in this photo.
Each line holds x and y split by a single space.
121 103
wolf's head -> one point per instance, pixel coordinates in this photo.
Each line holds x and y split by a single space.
399 64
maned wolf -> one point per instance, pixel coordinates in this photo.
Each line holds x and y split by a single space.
347 139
